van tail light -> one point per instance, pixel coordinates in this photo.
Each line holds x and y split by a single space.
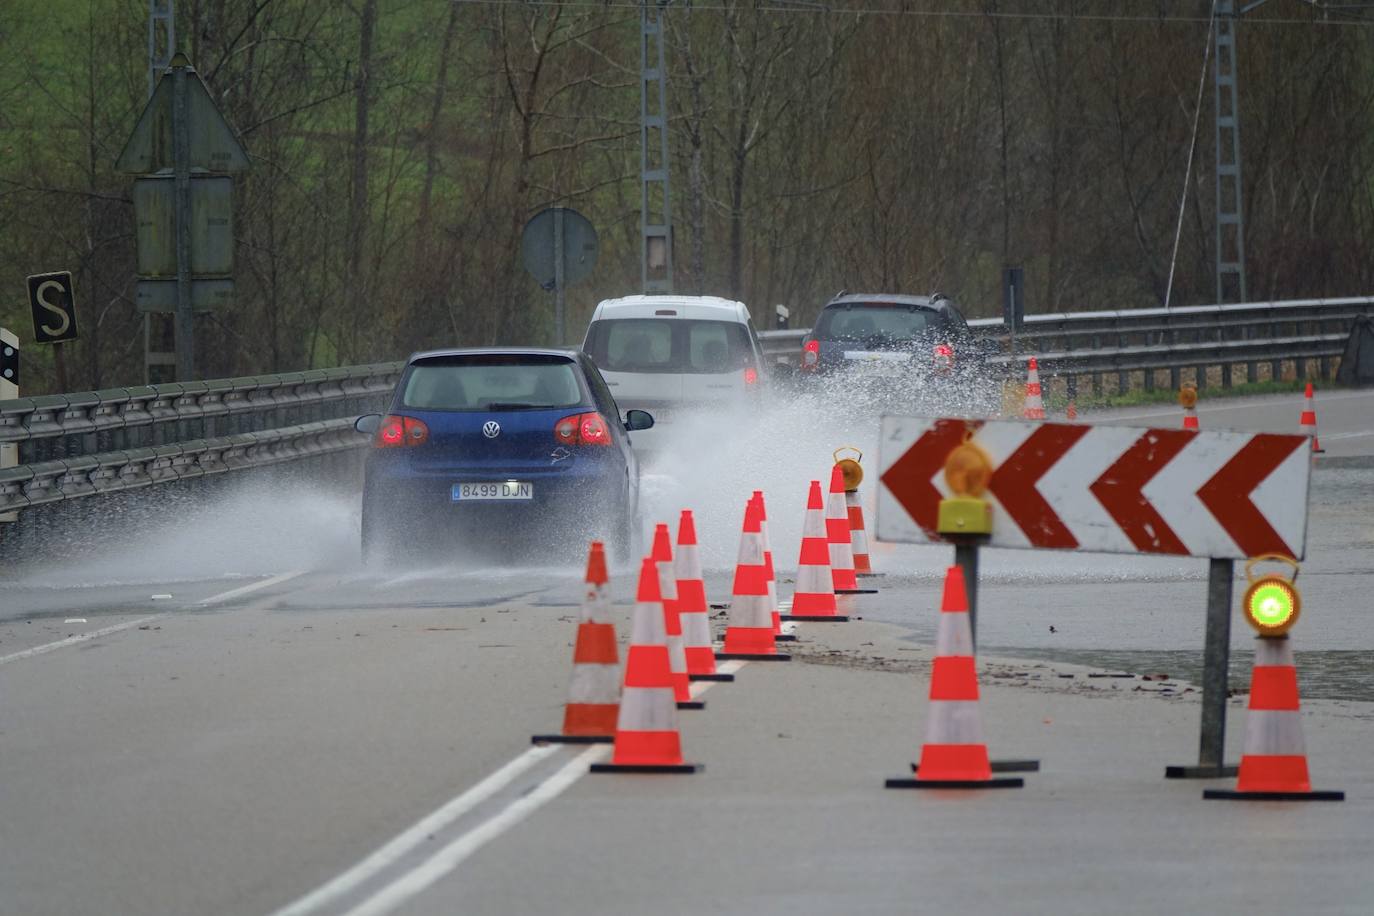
401 432
582 429
811 355
944 358
751 375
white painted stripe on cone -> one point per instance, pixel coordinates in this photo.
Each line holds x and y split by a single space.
687 562
954 722
647 709
751 611
596 605
648 627
814 580
1274 653
953 635
750 549
813 526
595 684
696 629
677 654
1274 732
841 554
667 581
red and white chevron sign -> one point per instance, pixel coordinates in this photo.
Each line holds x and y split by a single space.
1108 489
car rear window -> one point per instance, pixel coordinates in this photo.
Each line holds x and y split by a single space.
491 382
863 321
669 345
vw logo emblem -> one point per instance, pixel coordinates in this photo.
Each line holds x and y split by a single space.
491 429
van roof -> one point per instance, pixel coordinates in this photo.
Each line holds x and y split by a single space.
700 307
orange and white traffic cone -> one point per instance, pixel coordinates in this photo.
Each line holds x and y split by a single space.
1190 418
749 634
646 733
778 634
662 555
1071 414
1273 766
814 596
842 572
1035 401
594 697
858 536
954 755
1307 423
692 611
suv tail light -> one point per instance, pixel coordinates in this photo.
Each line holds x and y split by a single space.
582 429
944 358
811 355
400 432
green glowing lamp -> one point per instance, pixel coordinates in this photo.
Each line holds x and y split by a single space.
1272 602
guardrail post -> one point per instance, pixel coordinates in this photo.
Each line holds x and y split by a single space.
9 390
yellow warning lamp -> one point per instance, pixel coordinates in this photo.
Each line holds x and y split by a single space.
1271 602
849 467
967 472
1187 395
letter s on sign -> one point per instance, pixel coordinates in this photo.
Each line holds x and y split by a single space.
57 310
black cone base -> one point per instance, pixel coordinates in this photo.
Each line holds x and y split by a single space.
572 739
754 656
819 618
711 677
856 591
1006 782
870 575
1202 771
647 767
691 704
1004 766
1315 795
784 637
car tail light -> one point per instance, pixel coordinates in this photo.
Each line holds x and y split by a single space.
751 375
944 357
582 429
399 432
811 355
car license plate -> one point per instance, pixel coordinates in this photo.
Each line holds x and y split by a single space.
493 490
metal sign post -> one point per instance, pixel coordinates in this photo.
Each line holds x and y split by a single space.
181 170
1216 664
560 260
558 248
9 390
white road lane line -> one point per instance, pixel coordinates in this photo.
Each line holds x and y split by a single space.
452 855
79 638
417 834
249 589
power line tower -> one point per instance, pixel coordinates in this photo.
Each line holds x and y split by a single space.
1229 207
655 207
159 356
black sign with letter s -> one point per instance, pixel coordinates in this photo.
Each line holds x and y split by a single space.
53 302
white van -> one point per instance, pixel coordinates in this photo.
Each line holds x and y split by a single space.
674 356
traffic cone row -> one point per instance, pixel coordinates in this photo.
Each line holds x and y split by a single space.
814 597
662 555
691 605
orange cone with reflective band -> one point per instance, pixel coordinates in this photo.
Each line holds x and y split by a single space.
749 634
1071 414
858 536
843 574
814 597
1307 423
954 755
662 554
778 634
594 698
1273 766
1190 418
646 734
1035 402
692 612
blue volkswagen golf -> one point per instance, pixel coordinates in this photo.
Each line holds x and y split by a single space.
499 450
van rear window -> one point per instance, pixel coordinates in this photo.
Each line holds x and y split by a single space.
669 345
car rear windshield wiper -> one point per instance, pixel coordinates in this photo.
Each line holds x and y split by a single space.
518 406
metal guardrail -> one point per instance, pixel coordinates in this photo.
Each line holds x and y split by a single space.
87 443
116 419
1142 341
109 472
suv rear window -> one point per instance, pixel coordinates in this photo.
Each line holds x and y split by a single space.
865 320
491 382
669 345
